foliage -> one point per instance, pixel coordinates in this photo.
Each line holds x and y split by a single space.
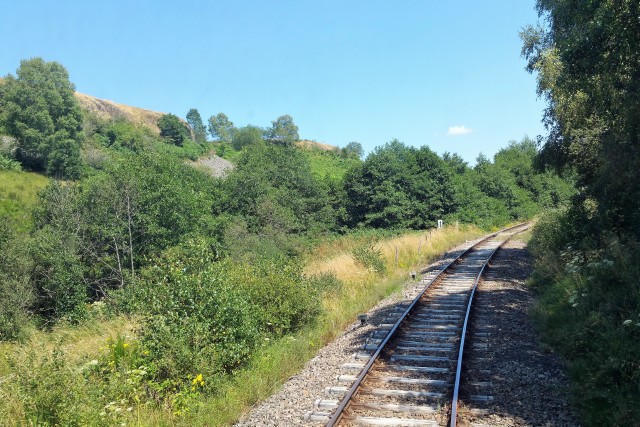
16 294
329 165
49 393
353 149
273 189
589 311
246 136
587 61
221 128
283 131
18 196
398 186
507 189
173 129
371 258
198 130
121 134
136 206
208 316
9 164
39 109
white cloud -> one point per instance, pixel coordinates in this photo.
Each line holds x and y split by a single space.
458 130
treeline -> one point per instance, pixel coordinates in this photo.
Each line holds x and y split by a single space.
210 265
587 59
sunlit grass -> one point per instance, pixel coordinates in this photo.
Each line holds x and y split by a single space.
78 342
18 195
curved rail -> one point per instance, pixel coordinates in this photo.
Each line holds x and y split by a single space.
456 387
339 412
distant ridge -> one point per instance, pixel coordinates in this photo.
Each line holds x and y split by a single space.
110 110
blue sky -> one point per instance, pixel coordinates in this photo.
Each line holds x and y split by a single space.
446 74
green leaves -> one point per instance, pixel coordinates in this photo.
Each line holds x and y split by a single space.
39 109
283 131
221 128
398 187
173 130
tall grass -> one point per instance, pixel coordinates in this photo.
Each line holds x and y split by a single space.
18 195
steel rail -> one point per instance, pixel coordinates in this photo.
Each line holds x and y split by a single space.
339 412
456 388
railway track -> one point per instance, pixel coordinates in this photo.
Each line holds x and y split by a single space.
409 371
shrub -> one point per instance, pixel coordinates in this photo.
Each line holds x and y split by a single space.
9 164
16 293
282 300
370 257
197 320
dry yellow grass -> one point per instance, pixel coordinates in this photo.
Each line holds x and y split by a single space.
305 143
110 110
412 248
78 343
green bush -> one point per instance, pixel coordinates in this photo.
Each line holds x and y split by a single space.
9 164
589 310
370 257
282 300
16 293
196 318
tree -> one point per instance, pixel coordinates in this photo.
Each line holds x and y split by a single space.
273 188
221 128
246 136
283 131
198 131
353 149
39 109
173 129
587 62
398 186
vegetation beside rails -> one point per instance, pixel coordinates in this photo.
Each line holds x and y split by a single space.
589 311
96 373
360 288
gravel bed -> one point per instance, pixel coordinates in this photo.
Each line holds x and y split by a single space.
297 396
527 382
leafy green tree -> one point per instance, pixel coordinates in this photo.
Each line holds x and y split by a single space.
221 128
247 136
118 218
273 188
399 186
353 149
173 129
39 109
587 62
198 130
283 131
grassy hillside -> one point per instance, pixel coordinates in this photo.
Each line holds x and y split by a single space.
18 195
109 110
330 164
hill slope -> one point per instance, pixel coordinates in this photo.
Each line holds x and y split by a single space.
110 110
